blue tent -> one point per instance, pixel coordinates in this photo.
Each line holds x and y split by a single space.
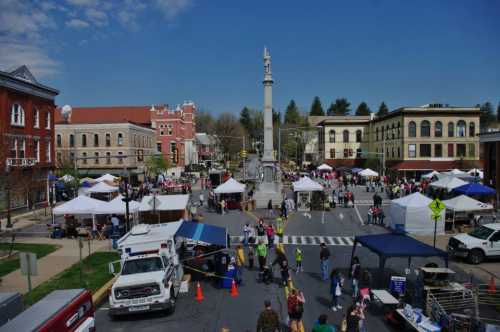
472 189
356 170
397 245
204 233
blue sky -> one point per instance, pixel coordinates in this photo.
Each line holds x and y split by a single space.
135 52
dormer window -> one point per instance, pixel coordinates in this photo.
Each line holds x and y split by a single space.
17 115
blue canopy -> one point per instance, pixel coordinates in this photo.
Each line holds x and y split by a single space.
52 177
203 232
356 170
474 189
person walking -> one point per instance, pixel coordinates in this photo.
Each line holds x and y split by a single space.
284 209
322 325
270 235
202 199
261 254
369 216
324 256
222 206
295 306
335 289
355 275
261 231
298 260
352 319
268 319
279 228
251 257
246 233
282 261
270 212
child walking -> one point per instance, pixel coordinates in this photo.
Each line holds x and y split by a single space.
298 260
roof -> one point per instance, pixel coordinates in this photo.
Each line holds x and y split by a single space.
155 232
24 76
229 187
430 110
202 232
465 203
413 200
306 184
105 177
118 206
448 182
474 189
345 119
164 203
102 187
80 205
113 114
398 245
429 165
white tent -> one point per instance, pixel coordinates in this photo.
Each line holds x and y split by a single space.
117 206
164 203
324 167
368 172
80 205
87 179
105 177
430 175
449 183
306 184
476 172
456 172
231 186
102 188
67 178
412 214
465 203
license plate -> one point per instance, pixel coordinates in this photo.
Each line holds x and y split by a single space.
139 308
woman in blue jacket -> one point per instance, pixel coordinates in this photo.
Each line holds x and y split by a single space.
335 289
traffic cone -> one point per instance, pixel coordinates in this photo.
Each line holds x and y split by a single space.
492 287
234 290
199 293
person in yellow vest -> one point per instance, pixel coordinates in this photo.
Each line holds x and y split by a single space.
279 227
240 256
298 260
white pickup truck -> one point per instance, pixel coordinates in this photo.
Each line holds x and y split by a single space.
482 242
150 275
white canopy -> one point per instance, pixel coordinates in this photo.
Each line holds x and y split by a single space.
117 206
164 203
448 183
231 186
87 179
368 172
477 172
430 175
102 187
306 184
81 205
67 178
324 167
412 214
465 203
105 177
456 172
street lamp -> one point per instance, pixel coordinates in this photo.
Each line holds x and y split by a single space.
286 129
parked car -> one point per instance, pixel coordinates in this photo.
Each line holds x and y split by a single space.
483 242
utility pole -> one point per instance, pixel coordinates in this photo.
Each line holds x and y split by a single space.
244 160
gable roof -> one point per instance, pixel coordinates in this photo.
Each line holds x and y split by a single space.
24 74
112 114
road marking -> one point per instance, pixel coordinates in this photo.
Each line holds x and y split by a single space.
306 240
341 215
359 215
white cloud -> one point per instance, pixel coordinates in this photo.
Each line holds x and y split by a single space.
77 24
83 42
98 17
172 8
82 2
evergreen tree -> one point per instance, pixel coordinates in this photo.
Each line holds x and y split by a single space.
341 107
246 119
363 109
331 110
316 108
292 115
486 116
382 110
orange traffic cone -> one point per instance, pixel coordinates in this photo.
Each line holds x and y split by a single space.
199 293
234 290
492 287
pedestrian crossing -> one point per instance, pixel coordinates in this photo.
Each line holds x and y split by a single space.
369 202
306 240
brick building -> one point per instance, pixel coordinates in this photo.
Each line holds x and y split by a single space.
26 138
491 146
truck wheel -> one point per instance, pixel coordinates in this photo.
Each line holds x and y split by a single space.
476 256
171 301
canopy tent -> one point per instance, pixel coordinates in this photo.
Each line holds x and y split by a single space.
474 189
106 177
67 178
231 186
163 203
455 172
368 172
306 184
204 233
412 214
356 170
118 206
87 179
476 173
80 205
430 175
465 203
324 167
102 188
449 183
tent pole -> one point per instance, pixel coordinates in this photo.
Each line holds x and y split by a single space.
353 250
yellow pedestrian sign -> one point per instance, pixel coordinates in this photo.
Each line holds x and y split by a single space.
436 207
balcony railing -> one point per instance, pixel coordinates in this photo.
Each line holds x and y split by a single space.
21 162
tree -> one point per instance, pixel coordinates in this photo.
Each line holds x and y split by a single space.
486 115
363 109
156 164
382 110
316 108
292 115
498 112
246 119
204 122
228 130
331 109
341 107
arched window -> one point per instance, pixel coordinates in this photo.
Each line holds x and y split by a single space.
376 134
331 136
412 129
438 129
36 118
451 129
84 140
345 135
387 132
96 140
119 140
58 140
472 129
461 128
17 115
425 129
358 136
71 140
382 134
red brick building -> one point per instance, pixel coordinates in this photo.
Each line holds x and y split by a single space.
27 138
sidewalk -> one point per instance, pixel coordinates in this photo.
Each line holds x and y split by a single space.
52 264
24 219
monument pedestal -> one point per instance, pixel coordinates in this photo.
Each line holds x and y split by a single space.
270 188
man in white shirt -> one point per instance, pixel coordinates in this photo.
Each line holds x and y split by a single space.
115 222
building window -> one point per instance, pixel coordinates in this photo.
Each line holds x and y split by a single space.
84 140
350 153
393 132
47 121
376 134
392 152
158 147
48 153
399 152
460 150
359 153
412 129
120 159
451 153
169 129
108 139
140 155
22 149
36 118
387 132
36 151
59 158
331 136
108 158
399 130
17 115
58 140
144 143
451 129
425 129
96 140
71 141
96 159
119 139
13 148
438 129
438 150
332 153
460 129
345 135
84 158
358 136
161 133
472 129
412 151
72 157
346 153
472 150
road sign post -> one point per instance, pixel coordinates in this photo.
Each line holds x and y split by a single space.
28 264
436 207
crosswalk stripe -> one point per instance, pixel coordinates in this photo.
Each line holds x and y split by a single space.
314 240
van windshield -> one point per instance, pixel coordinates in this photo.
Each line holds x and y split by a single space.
481 233
143 265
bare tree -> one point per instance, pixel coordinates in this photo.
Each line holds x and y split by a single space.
228 129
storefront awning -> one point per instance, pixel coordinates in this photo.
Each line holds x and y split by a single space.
204 233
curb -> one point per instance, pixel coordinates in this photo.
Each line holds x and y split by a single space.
100 295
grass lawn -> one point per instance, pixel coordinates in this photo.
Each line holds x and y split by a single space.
95 274
8 265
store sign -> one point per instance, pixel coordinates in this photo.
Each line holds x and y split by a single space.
397 285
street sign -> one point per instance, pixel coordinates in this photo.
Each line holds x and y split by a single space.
436 206
28 263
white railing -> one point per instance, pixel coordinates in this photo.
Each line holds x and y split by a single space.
21 162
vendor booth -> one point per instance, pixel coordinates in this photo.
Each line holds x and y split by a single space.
412 214
448 182
232 192
474 189
106 177
368 173
324 168
304 188
155 209
102 191
430 175
460 207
